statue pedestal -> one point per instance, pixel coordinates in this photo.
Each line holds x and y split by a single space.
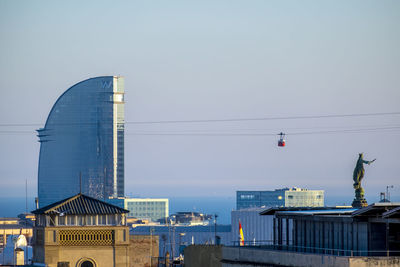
359 203
359 200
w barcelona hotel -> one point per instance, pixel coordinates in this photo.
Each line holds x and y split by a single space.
82 142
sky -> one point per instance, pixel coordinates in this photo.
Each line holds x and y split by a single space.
212 60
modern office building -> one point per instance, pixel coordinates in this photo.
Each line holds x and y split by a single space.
286 197
82 142
153 209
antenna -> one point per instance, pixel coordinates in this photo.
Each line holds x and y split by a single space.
26 214
80 182
26 196
104 183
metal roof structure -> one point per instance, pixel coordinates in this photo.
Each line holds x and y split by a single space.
318 212
78 205
376 209
381 209
307 210
393 213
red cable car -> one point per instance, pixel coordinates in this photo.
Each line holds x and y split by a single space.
281 141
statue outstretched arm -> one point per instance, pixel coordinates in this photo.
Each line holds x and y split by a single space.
368 162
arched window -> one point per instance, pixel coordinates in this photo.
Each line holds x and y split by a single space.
87 264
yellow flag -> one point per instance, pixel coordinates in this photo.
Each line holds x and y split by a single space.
241 243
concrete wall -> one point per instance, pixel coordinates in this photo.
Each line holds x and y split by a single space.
235 256
140 249
203 256
374 262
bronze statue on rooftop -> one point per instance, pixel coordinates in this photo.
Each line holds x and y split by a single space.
358 174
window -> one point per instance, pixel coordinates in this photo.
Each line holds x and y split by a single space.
119 219
111 219
87 264
102 219
71 219
61 220
246 196
81 220
290 197
90 220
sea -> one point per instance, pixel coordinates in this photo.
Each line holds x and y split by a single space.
219 205
222 206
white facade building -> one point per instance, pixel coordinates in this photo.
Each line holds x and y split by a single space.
298 197
153 209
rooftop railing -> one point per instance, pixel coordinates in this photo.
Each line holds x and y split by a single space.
269 245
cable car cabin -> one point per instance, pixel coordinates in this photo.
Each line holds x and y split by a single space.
281 141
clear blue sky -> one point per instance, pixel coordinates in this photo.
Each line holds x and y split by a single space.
188 60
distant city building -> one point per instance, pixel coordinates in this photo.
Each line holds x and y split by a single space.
82 142
190 218
16 252
153 209
293 197
14 226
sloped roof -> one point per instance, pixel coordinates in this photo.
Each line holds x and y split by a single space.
394 213
376 209
307 210
80 204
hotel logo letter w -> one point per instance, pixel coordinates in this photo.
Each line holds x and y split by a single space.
105 84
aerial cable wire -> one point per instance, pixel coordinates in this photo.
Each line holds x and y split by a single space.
226 120
216 133
269 118
269 134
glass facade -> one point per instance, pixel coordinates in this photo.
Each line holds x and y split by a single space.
293 197
82 142
304 198
154 209
253 199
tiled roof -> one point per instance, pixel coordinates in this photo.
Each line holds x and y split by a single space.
80 204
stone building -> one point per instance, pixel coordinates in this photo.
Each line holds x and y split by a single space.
81 231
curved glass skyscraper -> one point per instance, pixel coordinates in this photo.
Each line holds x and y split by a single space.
82 142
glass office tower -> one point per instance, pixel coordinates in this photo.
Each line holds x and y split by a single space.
82 142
